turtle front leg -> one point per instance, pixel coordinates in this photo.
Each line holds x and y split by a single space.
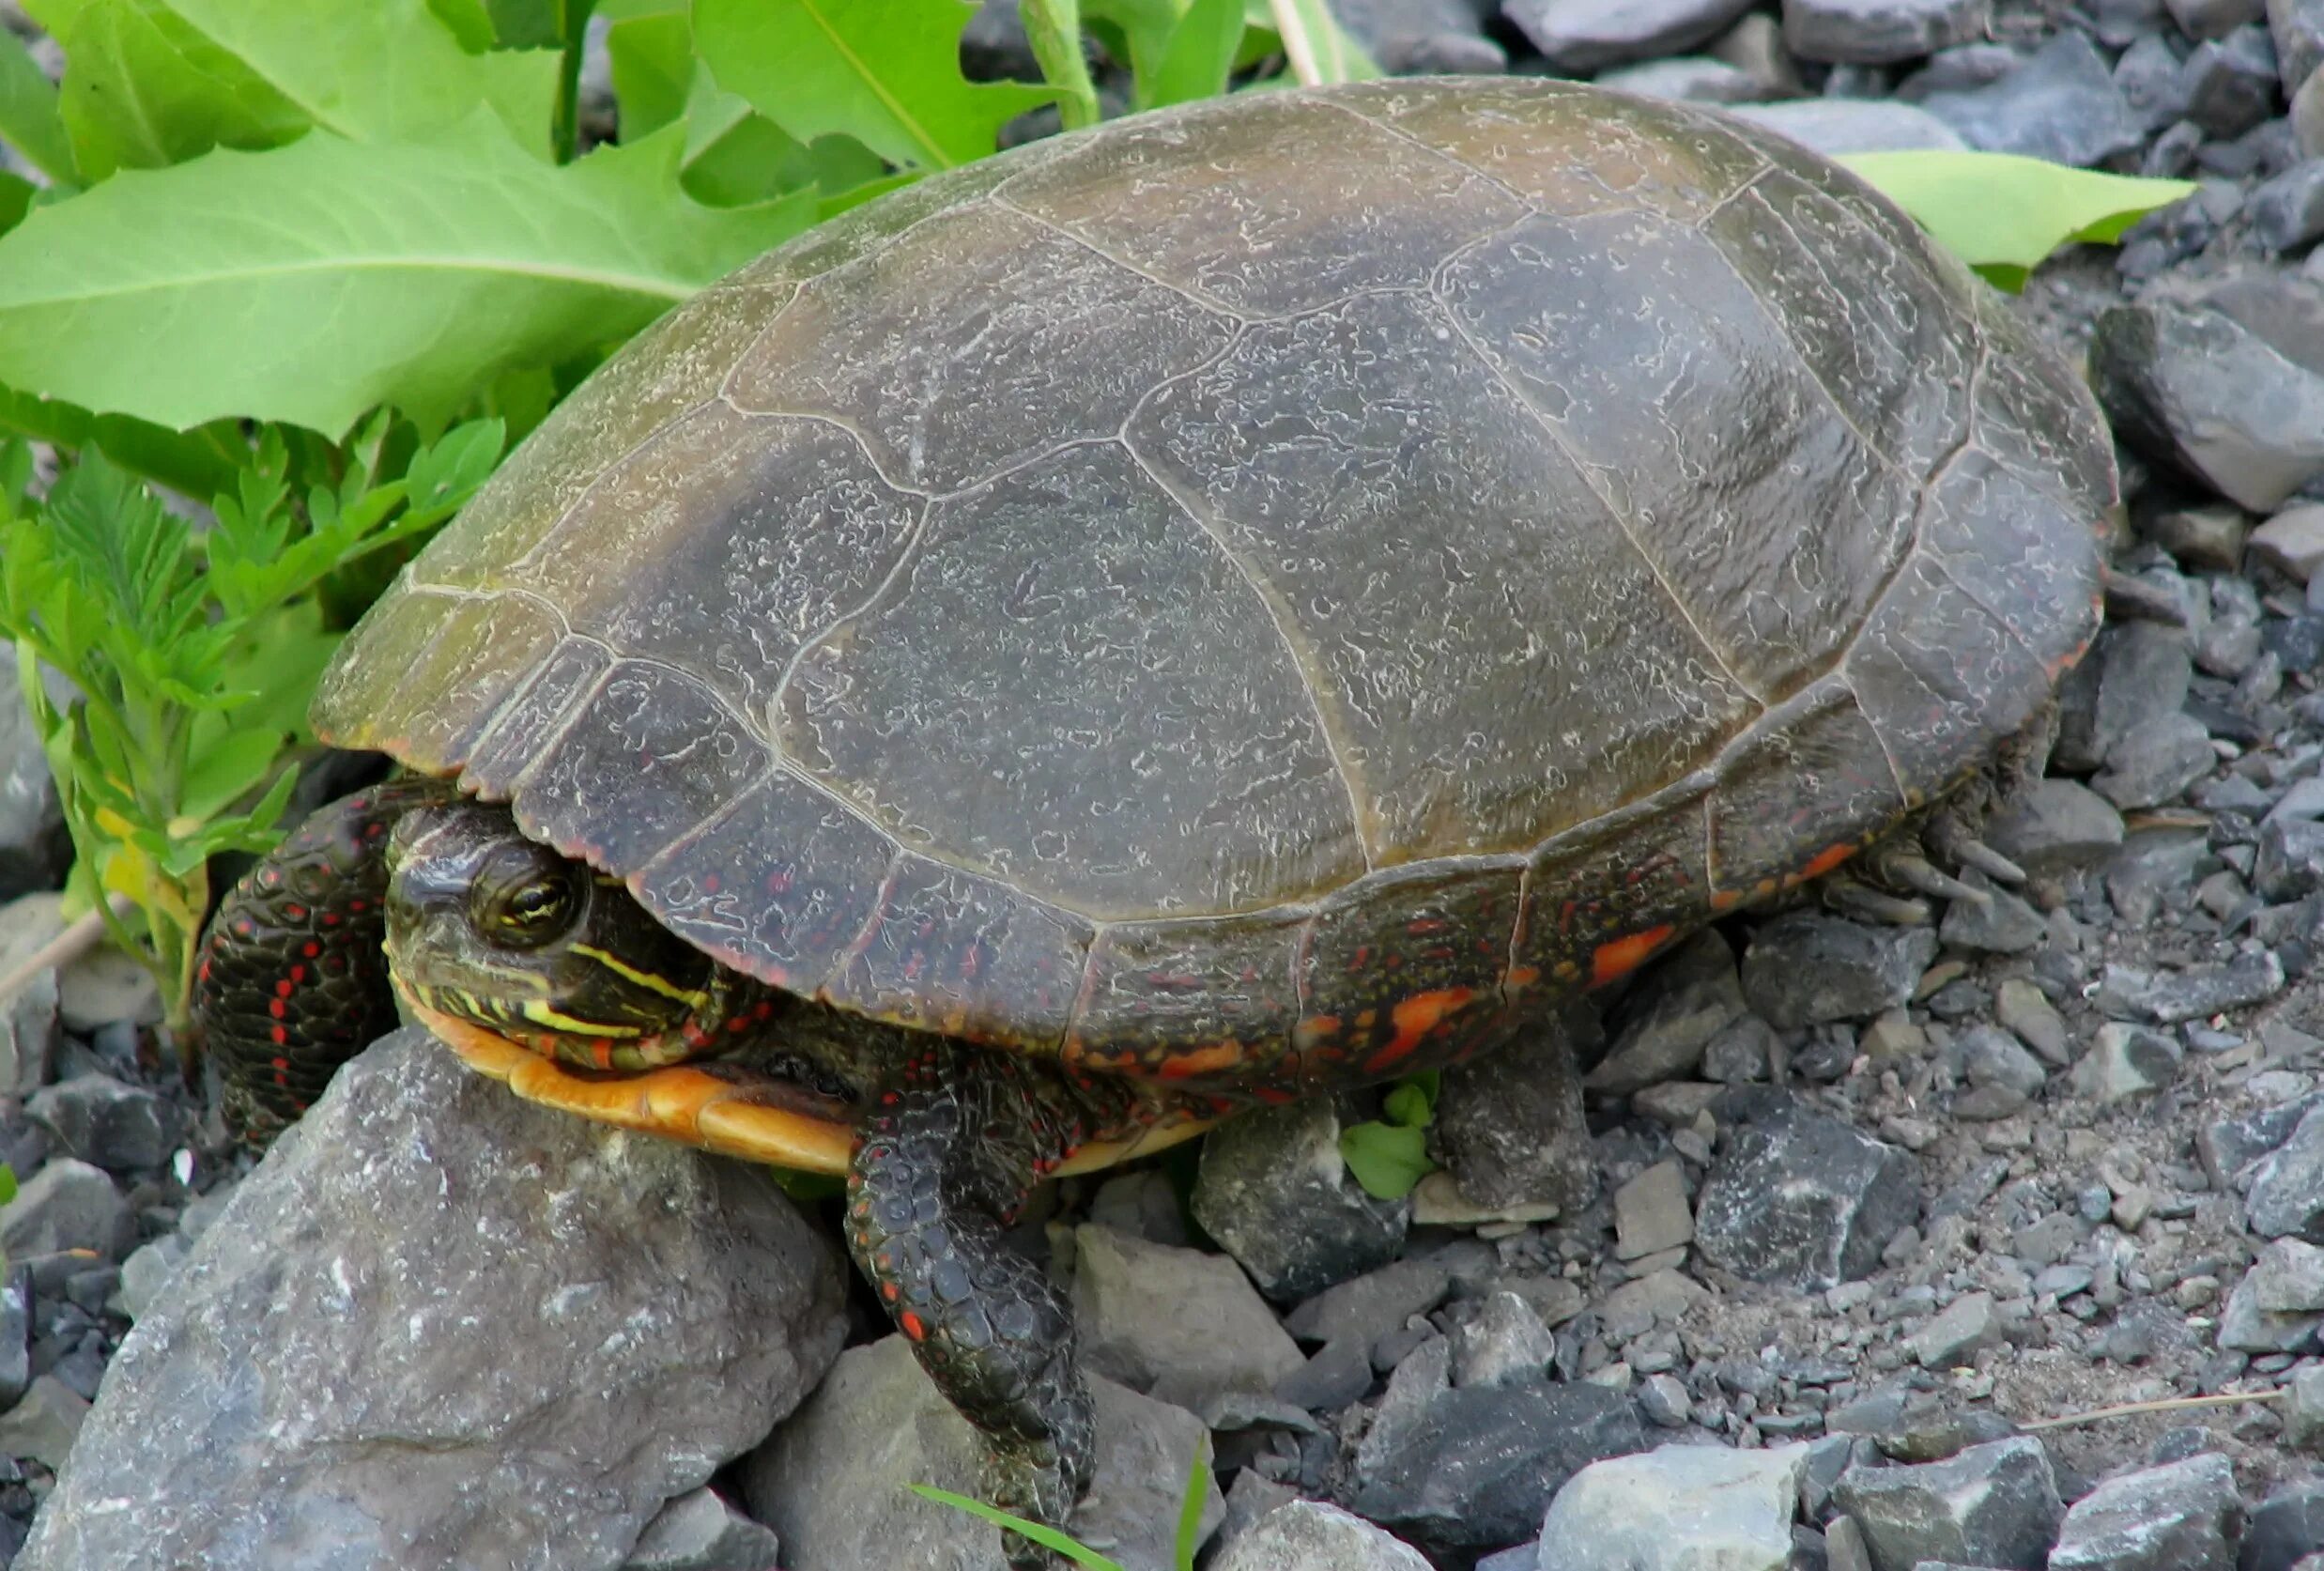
293 981
948 1153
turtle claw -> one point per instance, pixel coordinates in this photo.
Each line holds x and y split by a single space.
1918 873
1985 859
1862 901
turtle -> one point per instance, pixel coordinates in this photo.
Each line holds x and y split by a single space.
1221 607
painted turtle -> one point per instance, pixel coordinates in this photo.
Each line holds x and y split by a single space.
1222 607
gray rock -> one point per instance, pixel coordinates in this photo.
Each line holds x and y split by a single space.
15 1347
2155 761
2285 1527
1309 1535
1177 1324
2230 82
2213 18
2307 118
2289 864
2298 27
68 1205
2189 386
148 1270
1588 35
1658 1297
1838 127
1651 1213
35 850
116 1127
1678 1509
2178 1517
1741 1052
2002 923
2287 1198
1370 1307
1879 32
700 1532
1954 1336
105 986
2304 1414
2144 671
1690 997
1476 1466
1804 1198
1691 79
2153 80
334 1365
2053 824
1415 37
2125 1061
1807 968
1504 1343
1664 1401
833 1481
44 1425
1510 1126
1993 1506
2172 996
1272 1191
2292 542
2289 1278
1340 1372
2245 1327
1249 1498
1143 1205
2026 1009
2288 212
1992 1056
2062 104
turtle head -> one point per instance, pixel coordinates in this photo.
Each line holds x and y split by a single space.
488 927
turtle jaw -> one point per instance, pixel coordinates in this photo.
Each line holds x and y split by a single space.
703 1104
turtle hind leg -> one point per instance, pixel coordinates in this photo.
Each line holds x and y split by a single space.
292 981
948 1154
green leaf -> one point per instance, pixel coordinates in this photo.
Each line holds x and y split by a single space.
884 71
1387 1159
1199 57
1319 47
157 82
652 59
30 119
144 88
2004 214
1048 1537
312 282
7 1183
16 195
197 462
1054 29
1191 1504
1412 1105
468 21
529 24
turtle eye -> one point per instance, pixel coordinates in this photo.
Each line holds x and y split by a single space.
527 907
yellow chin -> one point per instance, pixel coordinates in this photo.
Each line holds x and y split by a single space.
690 1103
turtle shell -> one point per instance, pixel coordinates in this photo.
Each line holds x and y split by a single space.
1241 595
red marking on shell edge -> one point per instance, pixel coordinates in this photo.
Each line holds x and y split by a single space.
281 1066
278 1008
1199 1060
1822 862
1415 1018
277 1035
1625 955
309 948
282 988
913 1326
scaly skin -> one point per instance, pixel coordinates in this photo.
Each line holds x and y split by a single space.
293 982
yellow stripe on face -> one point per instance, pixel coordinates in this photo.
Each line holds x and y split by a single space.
691 997
541 1014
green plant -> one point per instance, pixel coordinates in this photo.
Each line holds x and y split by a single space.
1188 1540
190 655
1390 1154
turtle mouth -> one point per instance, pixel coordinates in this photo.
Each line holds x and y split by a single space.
716 1107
